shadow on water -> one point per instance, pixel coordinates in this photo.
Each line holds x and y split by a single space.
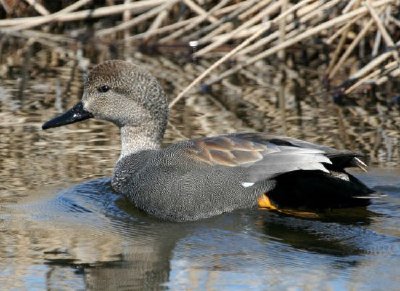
331 235
103 242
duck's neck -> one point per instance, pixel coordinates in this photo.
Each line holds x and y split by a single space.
138 138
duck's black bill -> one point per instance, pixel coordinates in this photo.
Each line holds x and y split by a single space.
75 114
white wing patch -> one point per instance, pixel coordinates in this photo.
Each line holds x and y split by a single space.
247 184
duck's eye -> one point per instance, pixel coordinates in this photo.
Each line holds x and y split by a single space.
103 89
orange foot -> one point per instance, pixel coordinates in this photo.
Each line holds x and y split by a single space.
265 202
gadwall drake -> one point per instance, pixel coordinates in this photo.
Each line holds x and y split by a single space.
199 178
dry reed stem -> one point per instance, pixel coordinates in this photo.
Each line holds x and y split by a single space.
382 29
350 5
288 28
393 74
200 11
126 16
137 20
42 37
137 7
30 36
211 28
260 43
319 12
38 7
282 28
369 78
156 23
192 24
230 8
253 9
371 65
223 28
51 17
281 56
242 27
309 8
173 26
48 36
305 14
245 33
164 29
342 29
394 20
377 43
350 48
338 49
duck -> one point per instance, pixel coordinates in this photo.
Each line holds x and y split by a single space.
203 177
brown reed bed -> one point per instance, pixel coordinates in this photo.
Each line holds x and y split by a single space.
360 38
280 66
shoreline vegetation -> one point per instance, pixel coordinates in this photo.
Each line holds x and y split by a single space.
297 55
361 37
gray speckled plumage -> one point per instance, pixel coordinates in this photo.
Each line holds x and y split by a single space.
199 178
170 184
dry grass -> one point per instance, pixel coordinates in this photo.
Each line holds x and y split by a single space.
360 38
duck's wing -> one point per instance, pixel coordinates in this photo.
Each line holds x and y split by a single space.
258 155
340 159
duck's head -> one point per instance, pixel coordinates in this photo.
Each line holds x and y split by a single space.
120 92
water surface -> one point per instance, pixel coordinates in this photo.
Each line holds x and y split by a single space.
87 236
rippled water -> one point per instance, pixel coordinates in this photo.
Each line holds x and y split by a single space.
87 236
62 227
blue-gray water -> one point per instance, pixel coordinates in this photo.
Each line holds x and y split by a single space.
86 236
63 228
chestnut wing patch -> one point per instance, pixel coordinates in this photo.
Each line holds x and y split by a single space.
229 151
